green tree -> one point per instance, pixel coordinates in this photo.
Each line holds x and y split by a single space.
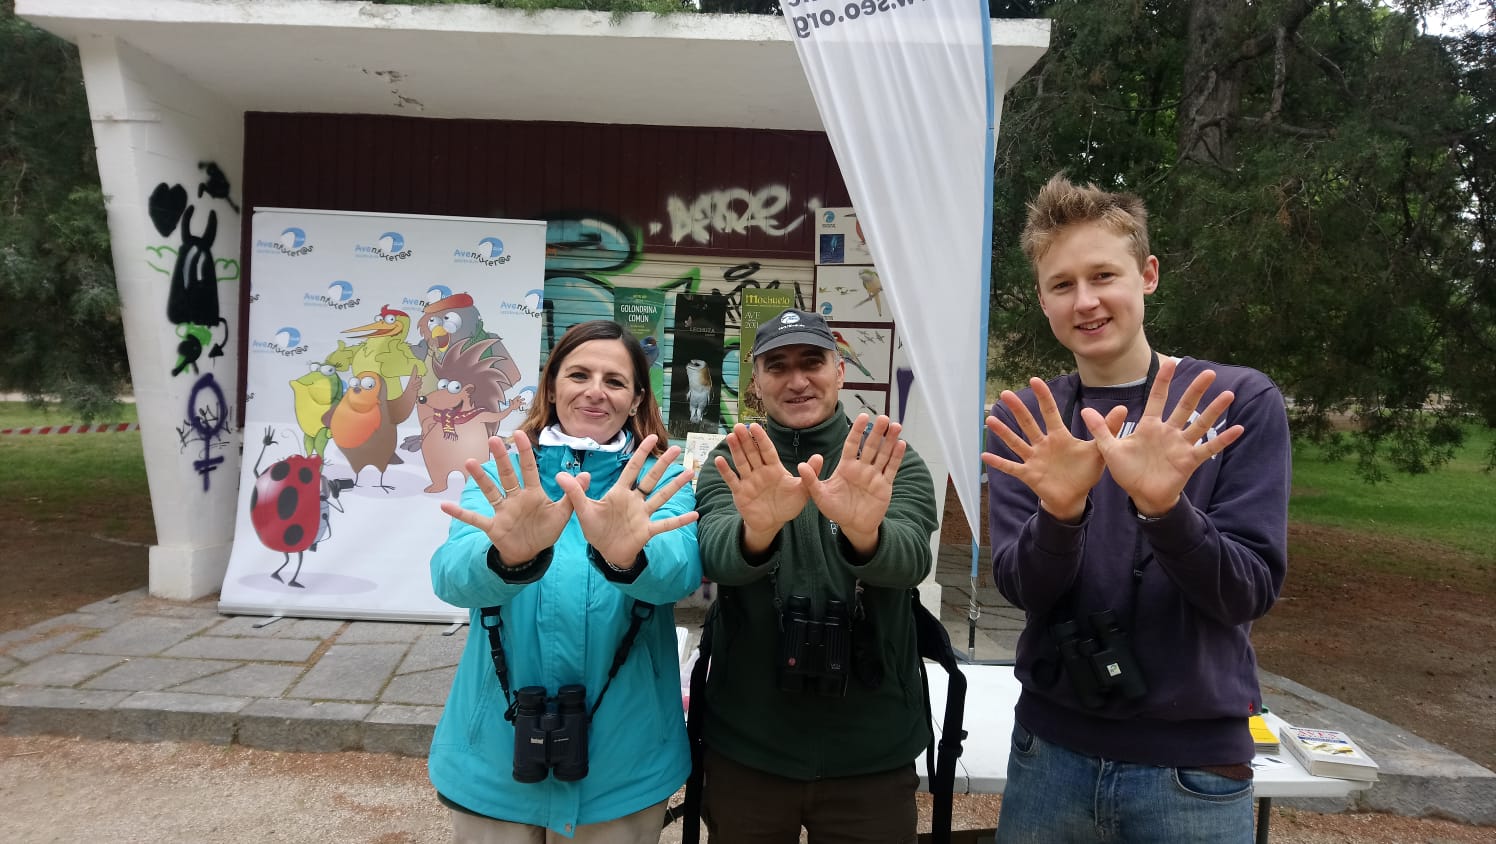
1320 180
60 329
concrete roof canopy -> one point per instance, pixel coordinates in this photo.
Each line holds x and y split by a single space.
478 62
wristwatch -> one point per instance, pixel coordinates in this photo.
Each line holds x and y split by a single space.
1147 520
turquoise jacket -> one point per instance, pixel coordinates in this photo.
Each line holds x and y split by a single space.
562 627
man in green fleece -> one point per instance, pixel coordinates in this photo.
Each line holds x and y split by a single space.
815 530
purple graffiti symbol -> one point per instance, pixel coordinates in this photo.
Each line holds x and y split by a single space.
209 423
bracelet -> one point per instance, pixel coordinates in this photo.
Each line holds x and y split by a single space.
614 573
526 572
596 556
496 563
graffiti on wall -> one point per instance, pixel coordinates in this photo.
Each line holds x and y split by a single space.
733 211
206 426
590 255
192 305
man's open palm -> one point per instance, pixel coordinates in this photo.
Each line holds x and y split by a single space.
764 492
1056 466
856 495
1155 461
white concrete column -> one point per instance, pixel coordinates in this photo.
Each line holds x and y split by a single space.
165 148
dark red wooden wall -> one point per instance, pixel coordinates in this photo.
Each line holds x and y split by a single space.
526 170
539 170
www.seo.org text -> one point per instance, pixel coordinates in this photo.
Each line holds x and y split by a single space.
807 22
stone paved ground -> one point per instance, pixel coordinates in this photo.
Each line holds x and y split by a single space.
142 669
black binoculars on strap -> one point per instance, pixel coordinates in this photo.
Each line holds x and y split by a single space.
550 734
1099 665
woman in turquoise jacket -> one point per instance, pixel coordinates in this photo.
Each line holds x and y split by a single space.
574 539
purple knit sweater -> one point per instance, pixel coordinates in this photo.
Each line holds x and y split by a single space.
1210 567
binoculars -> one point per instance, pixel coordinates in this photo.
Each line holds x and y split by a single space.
1100 665
814 655
550 734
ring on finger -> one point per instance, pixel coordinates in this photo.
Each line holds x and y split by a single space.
508 490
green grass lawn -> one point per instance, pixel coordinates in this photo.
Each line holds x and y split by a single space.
1454 505
19 414
55 473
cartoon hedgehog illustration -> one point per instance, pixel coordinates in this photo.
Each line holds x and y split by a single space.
458 417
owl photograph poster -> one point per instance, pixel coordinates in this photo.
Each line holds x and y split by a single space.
696 365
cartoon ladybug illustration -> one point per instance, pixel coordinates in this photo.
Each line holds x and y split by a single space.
290 505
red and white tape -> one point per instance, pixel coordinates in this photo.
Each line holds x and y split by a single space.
73 429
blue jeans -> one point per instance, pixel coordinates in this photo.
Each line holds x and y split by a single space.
1056 795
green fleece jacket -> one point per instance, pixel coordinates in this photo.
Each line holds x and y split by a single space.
804 735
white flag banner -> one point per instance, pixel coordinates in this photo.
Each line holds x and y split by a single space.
904 89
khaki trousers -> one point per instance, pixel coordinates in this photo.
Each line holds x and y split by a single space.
642 827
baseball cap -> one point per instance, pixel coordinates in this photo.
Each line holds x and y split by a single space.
791 328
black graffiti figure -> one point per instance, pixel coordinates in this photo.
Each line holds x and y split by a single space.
192 303
217 185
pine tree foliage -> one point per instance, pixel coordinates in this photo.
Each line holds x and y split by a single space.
1319 177
60 328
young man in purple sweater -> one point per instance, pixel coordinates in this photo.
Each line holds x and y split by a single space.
1139 547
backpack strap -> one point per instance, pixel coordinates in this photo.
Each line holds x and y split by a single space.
689 809
934 642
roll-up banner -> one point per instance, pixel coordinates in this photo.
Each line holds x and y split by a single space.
384 350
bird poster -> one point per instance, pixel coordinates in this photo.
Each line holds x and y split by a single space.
852 294
696 364
759 307
874 401
642 314
384 351
840 239
867 350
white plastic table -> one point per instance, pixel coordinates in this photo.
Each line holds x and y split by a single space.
992 693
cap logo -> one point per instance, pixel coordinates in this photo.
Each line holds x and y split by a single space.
789 319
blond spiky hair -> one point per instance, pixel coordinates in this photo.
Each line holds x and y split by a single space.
1062 203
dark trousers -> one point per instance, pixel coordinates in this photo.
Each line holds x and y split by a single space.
742 805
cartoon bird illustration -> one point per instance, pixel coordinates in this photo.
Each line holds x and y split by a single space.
363 423
847 353
383 350
466 406
651 349
449 322
699 379
313 395
874 287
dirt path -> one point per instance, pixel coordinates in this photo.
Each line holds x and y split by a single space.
63 790
1416 652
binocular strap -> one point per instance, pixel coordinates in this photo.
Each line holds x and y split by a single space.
639 612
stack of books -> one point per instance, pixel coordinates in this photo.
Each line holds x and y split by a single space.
1262 735
1329 753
